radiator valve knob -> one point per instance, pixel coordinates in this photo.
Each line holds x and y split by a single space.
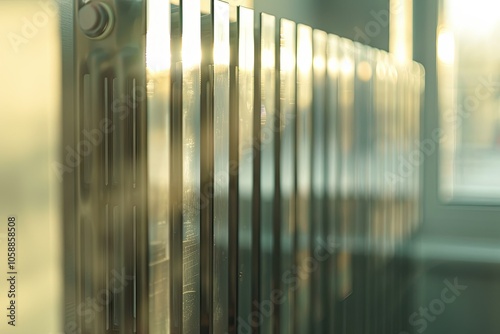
95 19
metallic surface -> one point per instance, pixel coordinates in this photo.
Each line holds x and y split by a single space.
305 263
159 161
248 178
246 142
221 138
287 161
333 167
191 146
268 138
346 141
111 230
319 228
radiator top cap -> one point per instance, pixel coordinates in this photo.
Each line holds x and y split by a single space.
95 19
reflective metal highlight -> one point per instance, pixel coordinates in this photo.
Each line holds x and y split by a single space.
287 161
246 160
158 96
191 146
221 168
269 132
304 135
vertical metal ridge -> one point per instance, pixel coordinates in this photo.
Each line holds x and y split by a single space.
134 133
190 142
208 316
115 162
115 262
246 137
79 265
233 201
107 264
158 155
134 252
106 135
332 162
207 243
86 125
87 277
256 196
287 110
303 175
176 177
277 269
265 109
176 287
220 166
320 312
190 164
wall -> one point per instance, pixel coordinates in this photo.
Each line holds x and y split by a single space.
361 20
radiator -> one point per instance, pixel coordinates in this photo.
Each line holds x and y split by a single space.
236 173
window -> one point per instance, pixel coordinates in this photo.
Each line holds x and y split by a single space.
469 101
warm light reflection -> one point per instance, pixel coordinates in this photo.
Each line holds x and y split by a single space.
304 49
305 63
268 58
221 54
319 62
446 46
333 65
347 66
287 60
401 30
268 44
246 52
191 53
221 42
364 71
320 45
287 49
158 36
191 56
